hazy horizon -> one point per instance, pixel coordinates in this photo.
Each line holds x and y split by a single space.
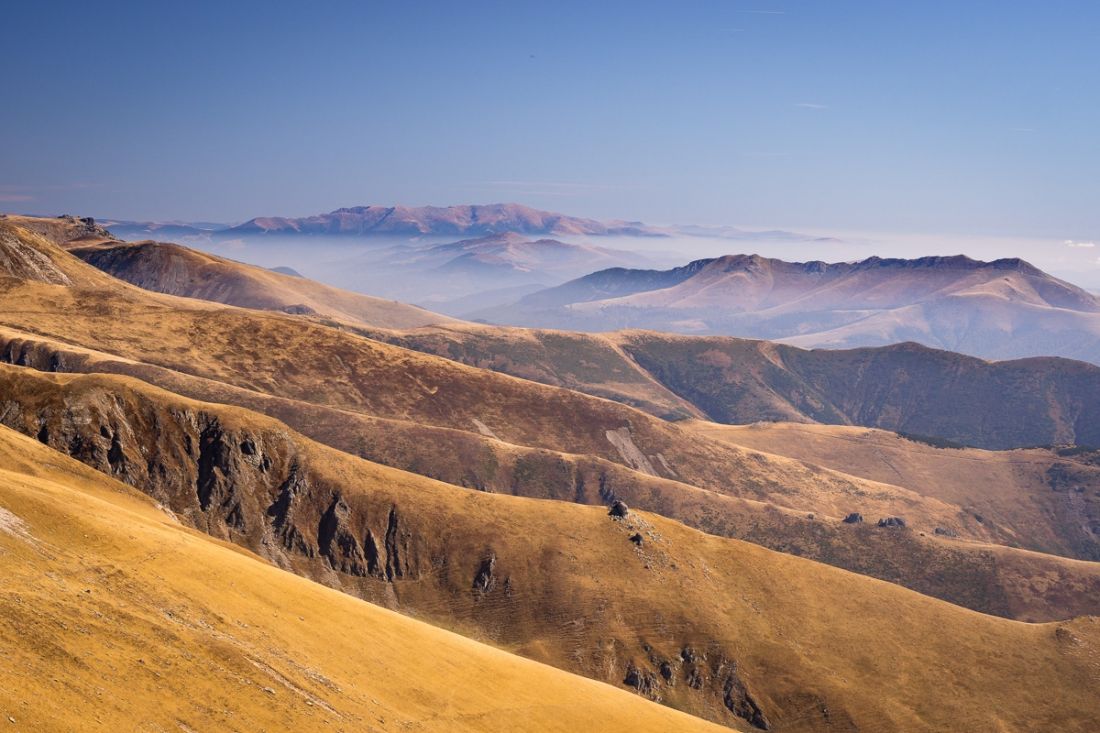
937 117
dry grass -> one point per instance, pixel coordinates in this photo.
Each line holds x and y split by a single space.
176 270
115 618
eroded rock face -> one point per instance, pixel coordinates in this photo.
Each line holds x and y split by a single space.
710 671
253 488
20 260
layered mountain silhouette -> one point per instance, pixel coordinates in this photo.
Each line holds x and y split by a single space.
439 220
903 387
997 310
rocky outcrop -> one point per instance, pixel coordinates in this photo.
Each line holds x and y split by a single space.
738 700
19 260
618 510
252 487
485 579
853 518
896 522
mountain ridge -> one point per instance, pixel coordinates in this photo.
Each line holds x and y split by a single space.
1000 309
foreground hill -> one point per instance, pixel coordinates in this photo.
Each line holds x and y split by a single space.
996 310
176 270
116 617
741 635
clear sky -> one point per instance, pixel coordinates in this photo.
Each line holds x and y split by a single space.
974 117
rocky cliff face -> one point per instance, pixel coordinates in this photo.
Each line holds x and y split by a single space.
254 485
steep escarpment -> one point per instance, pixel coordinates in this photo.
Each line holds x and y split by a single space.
257 486
115 617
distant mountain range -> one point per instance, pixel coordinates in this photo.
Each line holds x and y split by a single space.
1001 309
469 220
364 221
477 273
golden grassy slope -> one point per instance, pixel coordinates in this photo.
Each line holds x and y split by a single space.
86 416
1020 491
816 648
299 360
114 617
175 270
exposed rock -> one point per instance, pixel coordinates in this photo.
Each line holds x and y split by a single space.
338 543
739 702
853 518
637 539
298 309
484 579
946 532
618 510
891 522
644 681
22 261
629 451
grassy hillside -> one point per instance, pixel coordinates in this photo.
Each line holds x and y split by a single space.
713 626
904 387
1015 490
907 388
473 428
115 617
176 270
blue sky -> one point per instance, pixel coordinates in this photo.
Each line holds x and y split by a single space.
976 118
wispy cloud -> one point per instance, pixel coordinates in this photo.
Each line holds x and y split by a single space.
1080 245
15 197
811 105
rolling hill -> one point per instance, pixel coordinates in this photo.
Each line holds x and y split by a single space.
996 310
116 617
473 428
724 629
716 627
175 270
904 387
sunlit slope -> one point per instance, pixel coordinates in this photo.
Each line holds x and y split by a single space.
114 617
723 379
1042 498
482 430
720 628
176 270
